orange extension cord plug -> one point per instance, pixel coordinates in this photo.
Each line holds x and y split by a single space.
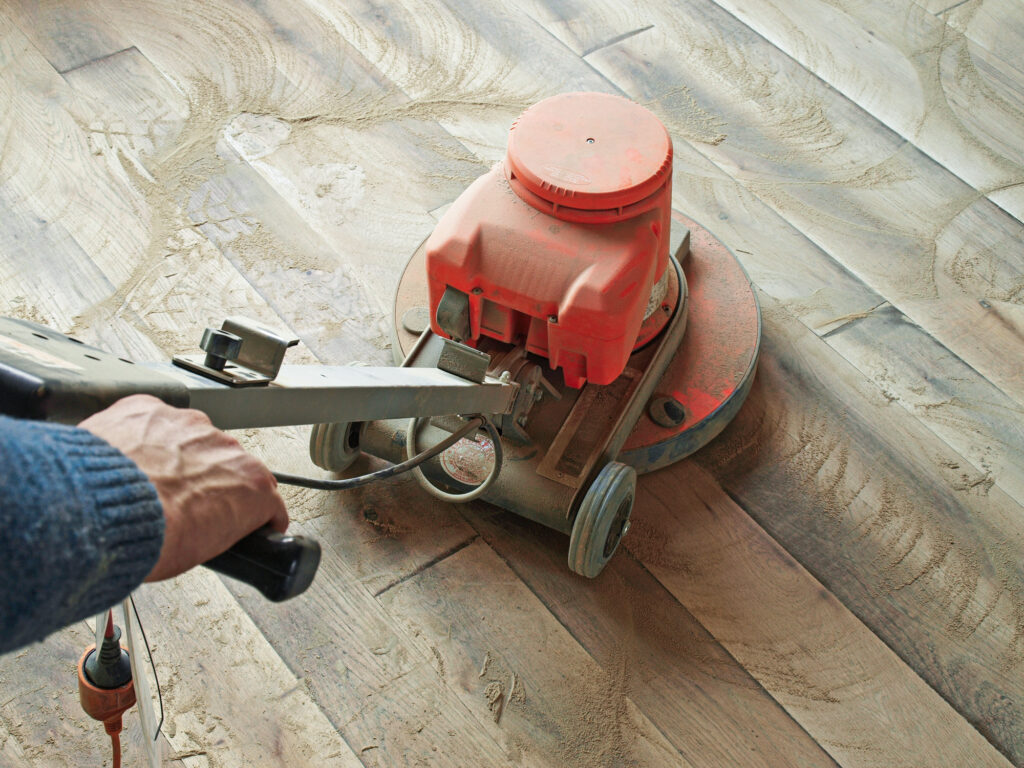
105 685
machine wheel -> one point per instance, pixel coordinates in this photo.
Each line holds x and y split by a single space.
603 519
335 446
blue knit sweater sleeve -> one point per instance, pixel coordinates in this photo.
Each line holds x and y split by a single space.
81 527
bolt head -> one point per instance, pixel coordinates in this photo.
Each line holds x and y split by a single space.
220 343
666 412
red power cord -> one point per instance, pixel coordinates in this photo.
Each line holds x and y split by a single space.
107 704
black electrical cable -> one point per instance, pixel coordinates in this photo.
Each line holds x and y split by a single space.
395 469
152 665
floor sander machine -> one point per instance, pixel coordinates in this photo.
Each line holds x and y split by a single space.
562 330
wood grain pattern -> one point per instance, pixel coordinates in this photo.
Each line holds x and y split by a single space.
969 414
800 642
271 720
837 580
916 75
568 710
996 25
882 518
707 705
380 688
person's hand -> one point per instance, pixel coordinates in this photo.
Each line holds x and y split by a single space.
213 492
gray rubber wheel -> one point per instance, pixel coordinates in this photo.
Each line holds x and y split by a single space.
603 519
335 446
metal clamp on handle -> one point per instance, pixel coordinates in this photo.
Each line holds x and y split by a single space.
278 565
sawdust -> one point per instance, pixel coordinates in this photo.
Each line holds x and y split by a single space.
686 118
494 693
913 547
440 661
387 528
24 308
867 500
723 58
649 545
600 730
172 178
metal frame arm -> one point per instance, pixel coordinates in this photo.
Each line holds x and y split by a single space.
320 394
47 375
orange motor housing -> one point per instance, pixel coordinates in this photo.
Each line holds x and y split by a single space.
561 244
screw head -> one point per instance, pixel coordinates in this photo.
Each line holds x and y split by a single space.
666 412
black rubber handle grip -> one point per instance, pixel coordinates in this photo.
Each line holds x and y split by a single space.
277 564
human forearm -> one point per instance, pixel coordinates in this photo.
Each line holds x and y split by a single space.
82 527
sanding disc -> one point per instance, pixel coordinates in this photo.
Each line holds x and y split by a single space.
708 379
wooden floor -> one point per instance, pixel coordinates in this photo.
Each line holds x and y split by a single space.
837 580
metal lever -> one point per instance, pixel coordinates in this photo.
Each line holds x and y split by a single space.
278 565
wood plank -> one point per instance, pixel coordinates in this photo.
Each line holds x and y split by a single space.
387 530
894 218
836 678
390 157
995 25
917 76
289 221
462 63
46 158
128 110
246 74
67 34
869 502
405 746
908 364
568 710
708 706
966 412
996 31
227 693
403 84
221 650
11 752
382 690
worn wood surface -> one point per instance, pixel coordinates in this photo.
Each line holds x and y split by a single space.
837 580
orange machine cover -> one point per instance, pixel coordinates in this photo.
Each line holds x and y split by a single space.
559 246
